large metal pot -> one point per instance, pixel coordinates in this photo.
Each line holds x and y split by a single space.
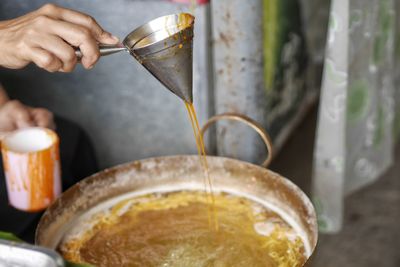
174 173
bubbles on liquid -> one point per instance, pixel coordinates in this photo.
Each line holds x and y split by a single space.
172 230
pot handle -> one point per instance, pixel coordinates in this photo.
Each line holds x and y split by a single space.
250 122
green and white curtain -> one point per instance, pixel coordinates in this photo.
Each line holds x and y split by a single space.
359 112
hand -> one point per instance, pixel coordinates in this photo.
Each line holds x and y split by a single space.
47 36
14 115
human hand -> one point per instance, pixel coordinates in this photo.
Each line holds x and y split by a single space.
47 36
14 115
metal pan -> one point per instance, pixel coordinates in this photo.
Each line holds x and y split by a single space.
175 173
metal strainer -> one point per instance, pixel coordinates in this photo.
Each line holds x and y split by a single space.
164 47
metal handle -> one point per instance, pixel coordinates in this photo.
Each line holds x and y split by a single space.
104 50
253 124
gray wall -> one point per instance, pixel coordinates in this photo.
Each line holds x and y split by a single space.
127 113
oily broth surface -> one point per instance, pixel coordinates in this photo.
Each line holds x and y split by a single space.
172 229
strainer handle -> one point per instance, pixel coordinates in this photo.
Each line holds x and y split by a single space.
104 50
250 122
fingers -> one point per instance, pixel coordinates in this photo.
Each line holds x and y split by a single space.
6 122
75 35
16 115
76 29
43 118
44 59
59 49
21 114
81 19
72 27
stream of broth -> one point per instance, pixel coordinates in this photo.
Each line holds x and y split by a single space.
208 187
212 211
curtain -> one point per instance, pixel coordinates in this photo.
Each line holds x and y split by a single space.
359 112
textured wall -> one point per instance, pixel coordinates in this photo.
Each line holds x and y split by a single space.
260 60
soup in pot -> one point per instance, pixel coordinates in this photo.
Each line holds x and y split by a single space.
172 229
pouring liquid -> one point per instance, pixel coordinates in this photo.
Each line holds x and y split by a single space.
212 211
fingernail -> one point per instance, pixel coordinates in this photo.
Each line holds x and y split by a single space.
109 35
115 38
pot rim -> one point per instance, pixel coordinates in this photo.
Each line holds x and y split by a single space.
144 166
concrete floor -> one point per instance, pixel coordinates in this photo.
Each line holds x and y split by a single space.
371 232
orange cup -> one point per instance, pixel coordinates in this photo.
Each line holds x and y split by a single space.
31 162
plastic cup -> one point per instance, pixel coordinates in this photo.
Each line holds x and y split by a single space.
31 162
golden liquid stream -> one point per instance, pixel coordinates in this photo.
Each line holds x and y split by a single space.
212 212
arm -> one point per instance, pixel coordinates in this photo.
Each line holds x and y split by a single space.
47 36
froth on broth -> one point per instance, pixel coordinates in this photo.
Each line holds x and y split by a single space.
172 229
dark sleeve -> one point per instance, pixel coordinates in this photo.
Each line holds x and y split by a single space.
77 153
